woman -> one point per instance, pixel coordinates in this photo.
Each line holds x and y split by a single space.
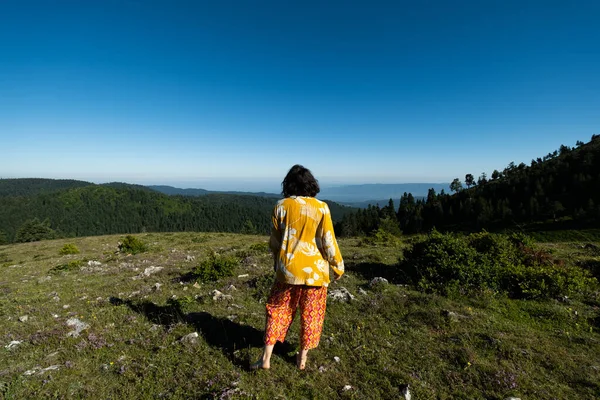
304 247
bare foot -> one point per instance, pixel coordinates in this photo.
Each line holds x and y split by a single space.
300 361
260 364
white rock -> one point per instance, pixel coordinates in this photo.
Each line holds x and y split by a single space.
77 326
341 294
13 344
189 258
50 368
157 286
66 306
243 276
378 281
191 338
31 372
362 291
56 298
220 296
346 388
336 359
512 398
93 263
151 270
24 318
231 288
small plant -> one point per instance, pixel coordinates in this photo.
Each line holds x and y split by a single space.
71 266
68 248
215 267
260 247
132 245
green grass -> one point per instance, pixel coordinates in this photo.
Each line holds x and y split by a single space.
491 348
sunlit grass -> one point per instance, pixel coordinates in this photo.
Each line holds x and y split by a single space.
484 347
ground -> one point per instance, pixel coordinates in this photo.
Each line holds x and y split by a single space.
110 326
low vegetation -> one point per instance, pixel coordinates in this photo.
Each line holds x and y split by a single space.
105 323
68 248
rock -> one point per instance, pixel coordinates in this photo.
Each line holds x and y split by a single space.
220 296
66 306
151 270
512 398
93 263
322 369
157 286
134 293
346 388
13 344
50 368
77 326
378 281
24 318
341 294
336 359
44 279
31 371
453 316
56 298
405 391
362 291
147 272
189 258
243 276
231 288
191 338
196 285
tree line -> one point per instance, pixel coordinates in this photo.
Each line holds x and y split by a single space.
558 189
109 209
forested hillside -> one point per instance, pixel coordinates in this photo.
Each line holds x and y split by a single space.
32 186
559 189
121 208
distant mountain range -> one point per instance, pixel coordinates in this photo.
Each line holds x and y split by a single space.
366 193
173 191
353 195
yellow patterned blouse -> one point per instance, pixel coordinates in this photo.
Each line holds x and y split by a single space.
303 242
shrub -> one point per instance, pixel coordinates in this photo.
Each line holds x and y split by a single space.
71 266
215 267
68 248
262 247
132 245
484 262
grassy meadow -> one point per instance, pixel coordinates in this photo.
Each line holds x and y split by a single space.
104 324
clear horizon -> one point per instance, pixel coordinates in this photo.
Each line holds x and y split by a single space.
200 92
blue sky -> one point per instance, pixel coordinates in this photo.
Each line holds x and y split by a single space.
230 94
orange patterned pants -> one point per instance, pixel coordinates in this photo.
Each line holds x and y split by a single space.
281 309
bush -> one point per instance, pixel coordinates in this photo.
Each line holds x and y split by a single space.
484 262
71 266
215 267
68 248
132 245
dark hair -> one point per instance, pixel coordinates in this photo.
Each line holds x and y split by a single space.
299 181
